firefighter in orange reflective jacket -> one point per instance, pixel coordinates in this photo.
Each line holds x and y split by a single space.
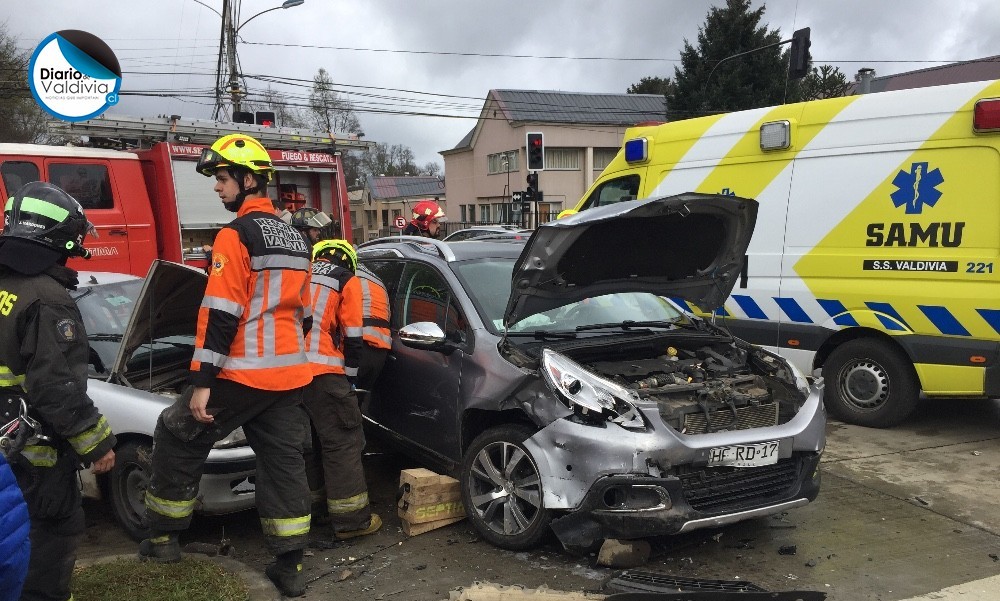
375 320
249 369
334 350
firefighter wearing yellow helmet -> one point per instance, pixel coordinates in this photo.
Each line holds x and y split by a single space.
244 160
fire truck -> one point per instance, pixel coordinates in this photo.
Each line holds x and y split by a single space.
136 180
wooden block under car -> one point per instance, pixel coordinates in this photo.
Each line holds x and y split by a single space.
415 529
428 497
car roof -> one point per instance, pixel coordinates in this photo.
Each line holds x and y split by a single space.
411 246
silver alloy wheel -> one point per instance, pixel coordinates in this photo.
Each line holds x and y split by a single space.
864 384
505 488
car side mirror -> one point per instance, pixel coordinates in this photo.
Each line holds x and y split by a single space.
425 335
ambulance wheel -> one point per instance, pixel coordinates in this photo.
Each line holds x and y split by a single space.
502 490
870 382
127 484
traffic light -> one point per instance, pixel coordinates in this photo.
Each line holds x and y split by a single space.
532 190
798 67
266 118
243 117
536 151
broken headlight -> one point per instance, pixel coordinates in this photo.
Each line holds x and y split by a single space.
590 396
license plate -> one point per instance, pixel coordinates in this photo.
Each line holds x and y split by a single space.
744 455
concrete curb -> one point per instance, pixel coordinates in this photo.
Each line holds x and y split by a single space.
259 587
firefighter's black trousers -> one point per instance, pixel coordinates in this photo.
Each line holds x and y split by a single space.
275 426
334 464
57 524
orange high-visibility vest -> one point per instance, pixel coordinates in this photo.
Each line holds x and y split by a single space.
250 325
375 310
334 344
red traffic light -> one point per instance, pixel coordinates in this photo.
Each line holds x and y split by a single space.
536 151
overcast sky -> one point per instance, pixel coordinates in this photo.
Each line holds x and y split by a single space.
434 49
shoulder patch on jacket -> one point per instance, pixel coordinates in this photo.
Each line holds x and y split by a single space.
66 329
218 263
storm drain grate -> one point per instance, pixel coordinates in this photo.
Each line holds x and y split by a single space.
638 581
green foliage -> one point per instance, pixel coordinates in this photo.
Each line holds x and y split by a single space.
826 81
651 85
189 580
23 120
754 80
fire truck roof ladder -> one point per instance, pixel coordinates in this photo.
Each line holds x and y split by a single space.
204 131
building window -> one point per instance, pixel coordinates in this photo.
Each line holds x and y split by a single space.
562 158
462 209
385 217
495 162
472 213
602 157
372 219
484 213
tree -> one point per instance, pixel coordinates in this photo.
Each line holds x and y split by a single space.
431 168
389 160
23 120
750 81
330 112
286 113
651 85
826 81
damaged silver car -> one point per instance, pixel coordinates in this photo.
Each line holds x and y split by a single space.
562 384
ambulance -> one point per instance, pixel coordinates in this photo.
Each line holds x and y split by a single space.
876 258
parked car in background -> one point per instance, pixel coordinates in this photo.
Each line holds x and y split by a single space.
141 333
471 233
566 391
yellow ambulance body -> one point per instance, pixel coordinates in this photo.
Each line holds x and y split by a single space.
876 255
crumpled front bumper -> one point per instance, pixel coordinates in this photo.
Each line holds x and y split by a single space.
618 483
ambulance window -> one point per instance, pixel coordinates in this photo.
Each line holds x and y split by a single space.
17 173
614 190
88 184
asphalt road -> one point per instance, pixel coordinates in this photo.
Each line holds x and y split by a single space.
902 512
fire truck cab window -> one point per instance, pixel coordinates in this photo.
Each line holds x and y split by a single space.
15 174
89 184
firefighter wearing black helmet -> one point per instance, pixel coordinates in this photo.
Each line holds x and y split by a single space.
43 359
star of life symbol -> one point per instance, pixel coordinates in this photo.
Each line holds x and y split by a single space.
728 192
917 188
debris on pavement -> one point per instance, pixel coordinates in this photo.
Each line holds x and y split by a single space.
623 554
485 591
638 581
787 550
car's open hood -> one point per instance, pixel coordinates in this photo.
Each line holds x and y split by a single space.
167 306
689 246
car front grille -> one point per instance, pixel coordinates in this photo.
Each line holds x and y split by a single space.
722 489
752 416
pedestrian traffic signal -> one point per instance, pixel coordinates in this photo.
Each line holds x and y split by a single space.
798 66
266 118
243 117
532 189
536 151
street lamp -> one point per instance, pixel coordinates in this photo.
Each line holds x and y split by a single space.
505 161
230 32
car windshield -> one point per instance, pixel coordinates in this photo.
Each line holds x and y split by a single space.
106 310
488 284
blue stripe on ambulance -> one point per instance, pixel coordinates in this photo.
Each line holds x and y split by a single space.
992 317
838 312
888 324
792 309
944 320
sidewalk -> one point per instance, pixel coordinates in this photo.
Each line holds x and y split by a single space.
987 589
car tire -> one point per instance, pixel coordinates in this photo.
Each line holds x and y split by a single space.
127 484
506 511
870 382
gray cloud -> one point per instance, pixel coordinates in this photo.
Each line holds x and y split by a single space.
180 37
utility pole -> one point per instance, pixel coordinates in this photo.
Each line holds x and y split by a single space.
230 27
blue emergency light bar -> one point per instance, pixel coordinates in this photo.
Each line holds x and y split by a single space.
636 150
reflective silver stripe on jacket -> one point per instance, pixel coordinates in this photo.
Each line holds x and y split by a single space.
223 304
89 439
316 357
207 356
353 332
40 455
279 262
375 333
327 281
243 363
322 295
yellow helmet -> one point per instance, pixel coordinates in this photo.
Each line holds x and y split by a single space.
566 213
337 251
236 150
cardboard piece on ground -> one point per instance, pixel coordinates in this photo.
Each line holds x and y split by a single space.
484 591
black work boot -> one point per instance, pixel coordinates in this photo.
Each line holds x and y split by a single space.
163 548
286 574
